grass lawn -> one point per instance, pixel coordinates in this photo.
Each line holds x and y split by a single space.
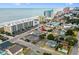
26 51
75 33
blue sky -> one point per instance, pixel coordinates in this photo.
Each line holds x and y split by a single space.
37 5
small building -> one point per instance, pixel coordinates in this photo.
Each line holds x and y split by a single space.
51 43
0 41
62 32
66 10
2 52
14 50
67 26
37 32
5 45
53 24
64 48
32 38
10 48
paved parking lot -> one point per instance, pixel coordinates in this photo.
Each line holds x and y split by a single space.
32 37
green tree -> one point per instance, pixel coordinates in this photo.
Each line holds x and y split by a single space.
1 36
69 32
47 53
7 33
34 42
67 19
69 48
50 37
2 32
58 46
50 30
61 38
71 40
42 36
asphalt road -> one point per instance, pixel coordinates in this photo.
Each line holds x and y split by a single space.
17 39
35 48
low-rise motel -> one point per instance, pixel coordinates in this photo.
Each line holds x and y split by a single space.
20 25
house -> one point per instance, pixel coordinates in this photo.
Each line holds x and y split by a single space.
0 41
51 43
14 50
53 24
5 45
32 38
66 26
2 52
64 48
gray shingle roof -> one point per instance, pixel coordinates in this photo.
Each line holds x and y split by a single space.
14 48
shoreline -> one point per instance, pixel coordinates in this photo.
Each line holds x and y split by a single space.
18 20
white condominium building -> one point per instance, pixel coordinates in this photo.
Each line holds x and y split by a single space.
22 24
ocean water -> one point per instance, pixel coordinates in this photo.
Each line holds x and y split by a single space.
10 14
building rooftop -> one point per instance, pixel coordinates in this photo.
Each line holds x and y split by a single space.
11 23
18 22
5 45
51 43
0 41
32 37
15 48
53 24
2 52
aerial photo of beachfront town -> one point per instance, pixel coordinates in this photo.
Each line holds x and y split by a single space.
54 32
